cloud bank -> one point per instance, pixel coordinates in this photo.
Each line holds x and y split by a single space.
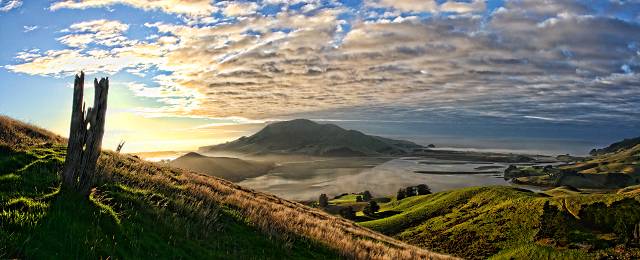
564 61
185 7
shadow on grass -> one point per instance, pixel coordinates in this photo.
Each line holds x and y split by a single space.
73 228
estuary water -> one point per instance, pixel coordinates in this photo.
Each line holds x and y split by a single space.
381 180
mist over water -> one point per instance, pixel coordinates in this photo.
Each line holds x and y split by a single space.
382 180
305 178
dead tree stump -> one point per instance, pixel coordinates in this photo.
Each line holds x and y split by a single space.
85 136
120 145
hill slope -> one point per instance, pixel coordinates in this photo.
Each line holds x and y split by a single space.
604 171
303 136
144 210
617 146
624 160
232 169
505 222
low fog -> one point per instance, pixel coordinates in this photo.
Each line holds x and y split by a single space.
341 175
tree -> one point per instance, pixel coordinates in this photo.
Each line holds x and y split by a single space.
410 191
348 212
371 208
401 194
323 201
423 189
358 198
366 195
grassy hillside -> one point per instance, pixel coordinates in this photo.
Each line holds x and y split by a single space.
232 169
603 171
145 210
505 222
624 160
617 146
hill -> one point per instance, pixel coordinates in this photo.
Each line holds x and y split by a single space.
617 146
232 169
508 223
609 170
140 209
306 137
624 160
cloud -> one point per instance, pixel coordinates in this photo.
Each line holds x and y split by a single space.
186 7
240 8
463 7
95 46
29 28
100 26
559 62
407 5
176 99
103 32
8 5
430 6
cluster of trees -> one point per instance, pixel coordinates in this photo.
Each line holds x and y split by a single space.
348 212
410 191
371 208
323 201
364 196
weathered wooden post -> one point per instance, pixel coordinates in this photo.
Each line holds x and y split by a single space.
85 136
120 145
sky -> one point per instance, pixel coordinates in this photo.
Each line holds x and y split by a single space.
515 74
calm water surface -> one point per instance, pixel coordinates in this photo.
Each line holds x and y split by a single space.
381 180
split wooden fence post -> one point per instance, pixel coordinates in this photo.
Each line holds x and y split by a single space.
85 136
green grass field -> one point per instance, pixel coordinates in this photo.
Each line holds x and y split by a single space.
346 199
504 222
37 220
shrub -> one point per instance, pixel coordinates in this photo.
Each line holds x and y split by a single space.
371 208
401 194
423 189
323 201
366 195
348 212
410 191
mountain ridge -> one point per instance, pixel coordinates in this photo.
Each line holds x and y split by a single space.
303 136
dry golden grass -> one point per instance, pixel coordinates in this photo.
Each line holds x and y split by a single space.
278 218
17 134
199 198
